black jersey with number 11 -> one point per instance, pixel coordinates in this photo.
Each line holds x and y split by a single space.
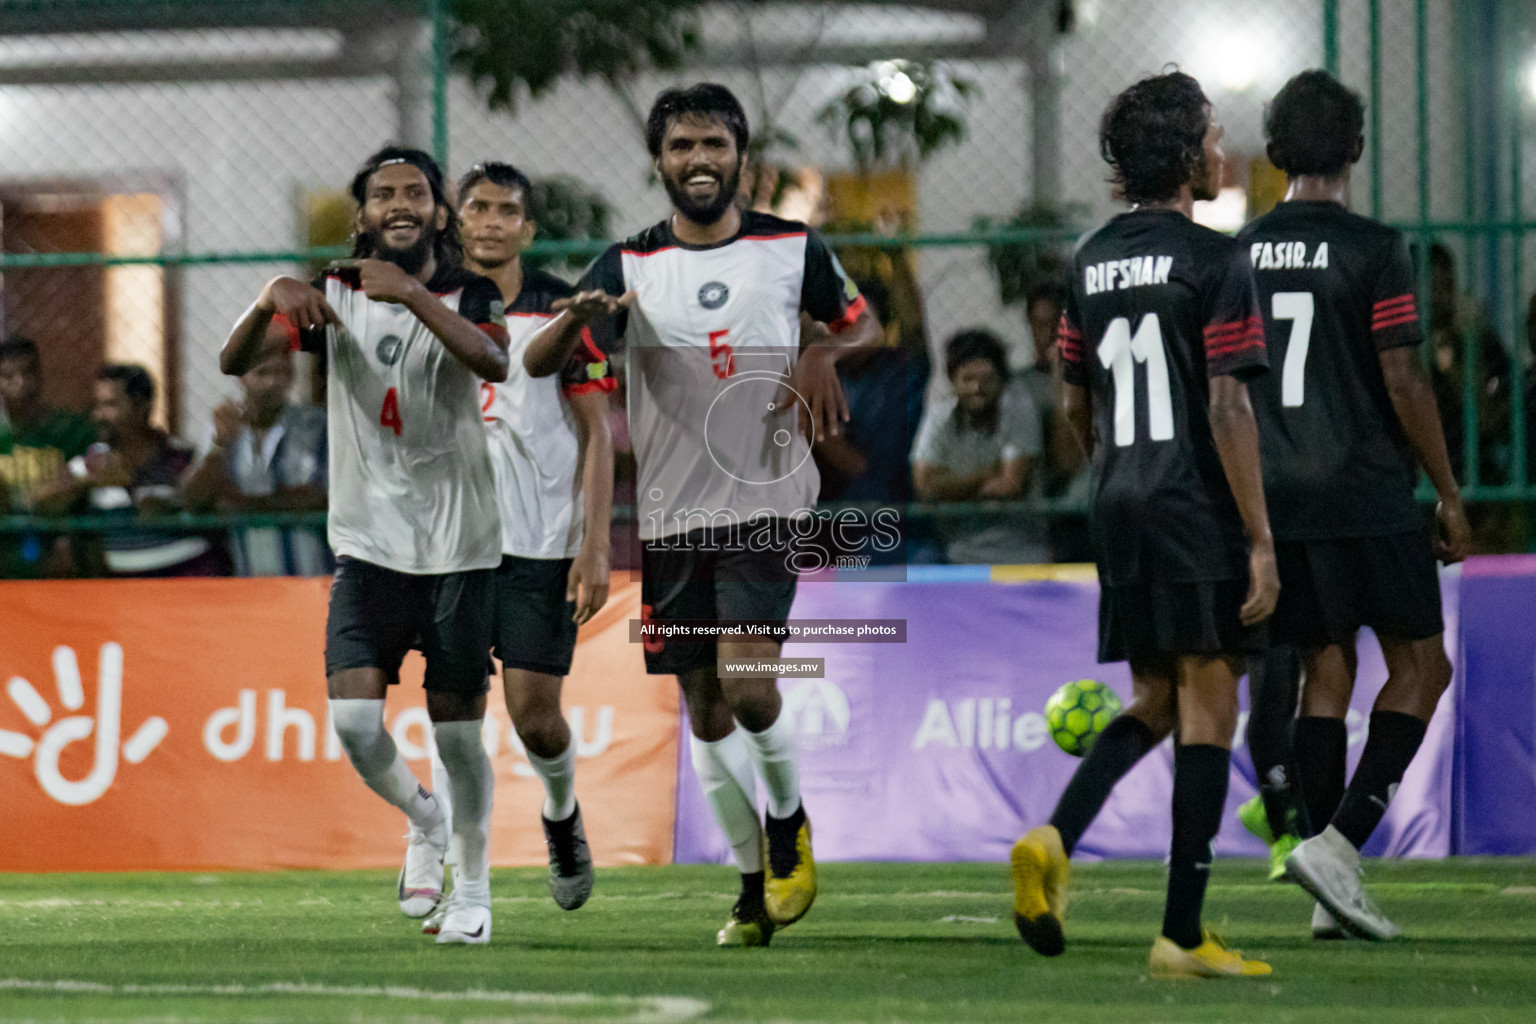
1336 289
1157 306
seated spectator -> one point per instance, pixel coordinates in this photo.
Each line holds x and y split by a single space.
265 454
982 445
36 442
867 460
1064 472
134 469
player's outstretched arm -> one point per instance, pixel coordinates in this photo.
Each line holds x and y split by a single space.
1415 405
303 305
588 581
551 348
1237 443
1077 412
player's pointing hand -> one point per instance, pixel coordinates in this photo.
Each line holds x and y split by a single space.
382 280
304 306
584 307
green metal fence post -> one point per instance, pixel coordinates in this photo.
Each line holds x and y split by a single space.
1375 32
1517 410
1331 37
440 57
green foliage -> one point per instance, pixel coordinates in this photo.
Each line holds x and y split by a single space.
508 43
900 110
1019 265
566 209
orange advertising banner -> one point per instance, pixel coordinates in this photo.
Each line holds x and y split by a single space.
182 725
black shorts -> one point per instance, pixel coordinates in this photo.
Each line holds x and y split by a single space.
377 615
535 624
1142 622
711 576
1330 588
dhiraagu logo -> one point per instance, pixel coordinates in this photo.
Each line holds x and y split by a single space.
105 727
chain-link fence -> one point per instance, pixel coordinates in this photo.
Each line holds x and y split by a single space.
164 159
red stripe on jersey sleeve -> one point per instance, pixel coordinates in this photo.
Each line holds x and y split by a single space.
1222 340
294 342
595 353
1386 305
1069 341
850 314
1397 321
601 384
497 333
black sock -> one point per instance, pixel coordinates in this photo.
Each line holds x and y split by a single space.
751 901
782 832
1394 739
1320 744
1273 685
1199 794
1123 742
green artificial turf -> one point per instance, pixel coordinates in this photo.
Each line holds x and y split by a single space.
908 942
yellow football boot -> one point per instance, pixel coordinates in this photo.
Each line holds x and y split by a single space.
790 888
1040 869
1210 959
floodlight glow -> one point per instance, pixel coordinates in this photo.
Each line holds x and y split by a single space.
1530 79
901 88
1235 62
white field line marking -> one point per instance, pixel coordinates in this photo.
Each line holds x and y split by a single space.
646 1008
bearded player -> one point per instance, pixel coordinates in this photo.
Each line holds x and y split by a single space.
409 336
709 303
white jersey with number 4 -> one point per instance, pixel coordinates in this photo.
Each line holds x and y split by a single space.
411 485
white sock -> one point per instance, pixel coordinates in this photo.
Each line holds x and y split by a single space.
443 791
360 727
776 753
472 784
559 775
724 768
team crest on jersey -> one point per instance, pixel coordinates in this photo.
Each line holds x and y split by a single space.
713 295
389 349
499 314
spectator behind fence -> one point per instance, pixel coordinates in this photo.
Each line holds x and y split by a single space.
265 454
133 469
36 442
1063 473
1454 317
867 461
981 445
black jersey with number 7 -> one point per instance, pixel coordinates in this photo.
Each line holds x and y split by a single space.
1157 306
1336 289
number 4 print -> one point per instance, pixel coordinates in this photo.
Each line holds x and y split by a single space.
389 415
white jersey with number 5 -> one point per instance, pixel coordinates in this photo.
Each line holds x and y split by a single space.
712 337
411 486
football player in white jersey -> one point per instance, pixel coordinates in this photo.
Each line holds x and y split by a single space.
552 453
409 335
709 304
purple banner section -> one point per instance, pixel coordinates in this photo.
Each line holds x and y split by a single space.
1496 751
937 750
